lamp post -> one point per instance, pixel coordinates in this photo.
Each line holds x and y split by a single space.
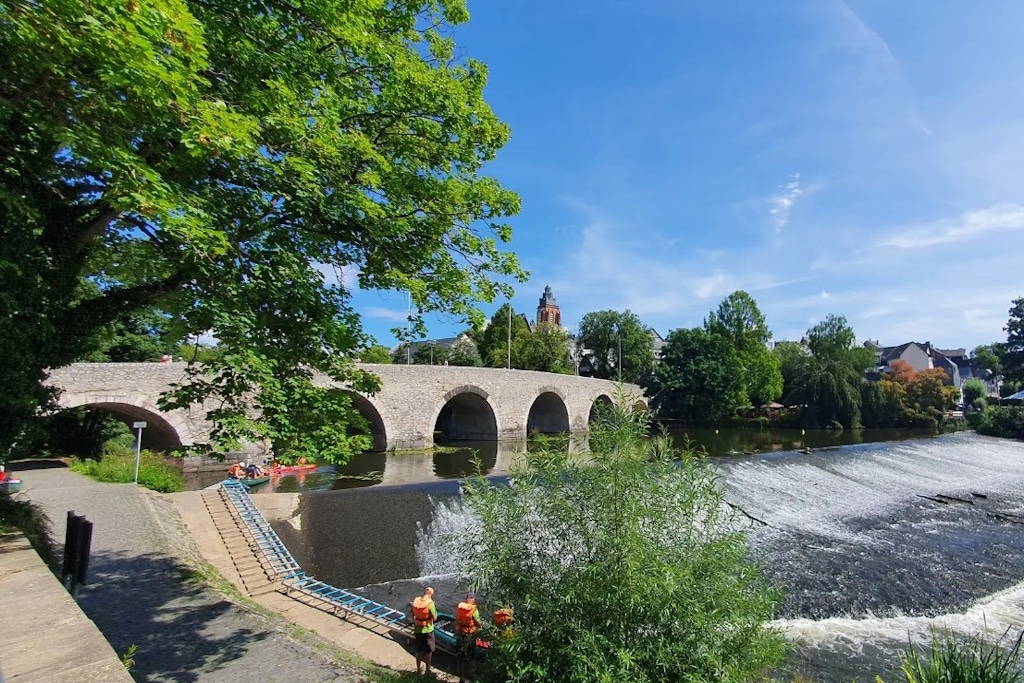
138 447
618 330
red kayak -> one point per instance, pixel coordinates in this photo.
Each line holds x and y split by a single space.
291 469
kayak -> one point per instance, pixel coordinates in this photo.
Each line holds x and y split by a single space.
255 482
444 633
10 485
290 469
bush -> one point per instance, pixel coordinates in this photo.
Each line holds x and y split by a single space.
623 564
118 466
974 660
1004 421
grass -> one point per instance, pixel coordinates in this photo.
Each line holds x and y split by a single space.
970 660
118 466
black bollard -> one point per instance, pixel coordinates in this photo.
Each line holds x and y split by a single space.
84 546
72 543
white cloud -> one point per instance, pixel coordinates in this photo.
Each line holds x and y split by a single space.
382 313
347 276
971 225
782 202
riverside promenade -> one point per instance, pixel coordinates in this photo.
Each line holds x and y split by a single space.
144 590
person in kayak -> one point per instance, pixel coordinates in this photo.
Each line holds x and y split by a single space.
424 614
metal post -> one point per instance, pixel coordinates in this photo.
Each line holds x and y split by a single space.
618 328
138 447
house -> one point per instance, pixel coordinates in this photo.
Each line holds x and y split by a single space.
657 344
919 357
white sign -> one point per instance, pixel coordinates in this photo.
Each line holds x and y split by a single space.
138 425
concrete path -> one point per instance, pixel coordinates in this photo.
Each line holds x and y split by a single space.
143 591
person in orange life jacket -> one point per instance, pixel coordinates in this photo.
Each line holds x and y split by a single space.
237 471
467 623
424 614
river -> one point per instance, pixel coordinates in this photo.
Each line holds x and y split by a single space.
874 542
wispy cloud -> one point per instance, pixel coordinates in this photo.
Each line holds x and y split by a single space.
782 202
971 225
382 313
347 276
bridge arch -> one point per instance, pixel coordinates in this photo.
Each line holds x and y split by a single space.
548 414
163 431
467 414
600 402
374 421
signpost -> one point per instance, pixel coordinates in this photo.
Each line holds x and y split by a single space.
138 447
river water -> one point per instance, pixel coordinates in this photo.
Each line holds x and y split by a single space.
874 543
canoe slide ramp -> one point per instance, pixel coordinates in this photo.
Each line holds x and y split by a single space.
266 565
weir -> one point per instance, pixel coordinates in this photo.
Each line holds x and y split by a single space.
872 543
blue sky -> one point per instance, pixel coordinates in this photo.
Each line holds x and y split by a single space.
859 158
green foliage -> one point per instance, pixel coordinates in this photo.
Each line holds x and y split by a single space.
973 390
429 353
19 514
621 565
829 389
986 357
212 160
376 354
1012 359
128 658
82 432
791 356
493 342
546 349
1004 421
464 353
971 660
118 466
740 321
617 341
695 380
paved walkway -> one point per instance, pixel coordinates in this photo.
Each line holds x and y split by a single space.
142 592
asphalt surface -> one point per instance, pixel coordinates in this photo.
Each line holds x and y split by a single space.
141 591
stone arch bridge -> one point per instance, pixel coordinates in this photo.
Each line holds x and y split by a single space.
414 402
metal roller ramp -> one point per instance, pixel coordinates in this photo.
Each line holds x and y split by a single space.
336 600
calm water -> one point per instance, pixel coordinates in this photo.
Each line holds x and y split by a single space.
874 543
494 458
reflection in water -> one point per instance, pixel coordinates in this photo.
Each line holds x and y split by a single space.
458 459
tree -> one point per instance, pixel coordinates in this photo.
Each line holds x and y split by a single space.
463 352
830 384
616 341
740 321
634 527
376 354
1012 360
545 349
215 159
973 390
429 353
493 341
791 357
986 357
695 380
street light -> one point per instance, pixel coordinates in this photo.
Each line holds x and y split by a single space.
138 447
508 365
618 330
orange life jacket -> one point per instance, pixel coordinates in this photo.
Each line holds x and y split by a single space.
421 611
503 616
464 621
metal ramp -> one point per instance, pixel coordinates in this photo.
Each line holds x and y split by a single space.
338 601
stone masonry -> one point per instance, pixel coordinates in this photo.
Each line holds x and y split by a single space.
479 403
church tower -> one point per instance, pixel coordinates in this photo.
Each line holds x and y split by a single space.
547 309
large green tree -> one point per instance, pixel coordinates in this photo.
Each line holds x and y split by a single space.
494 341
211 158
696 379
618 345
739 320
546 349
1012 360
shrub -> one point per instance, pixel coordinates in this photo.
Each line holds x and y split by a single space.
17 514
118 466
974 660
1004 421
621 564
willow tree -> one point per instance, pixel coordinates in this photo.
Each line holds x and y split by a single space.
216 158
